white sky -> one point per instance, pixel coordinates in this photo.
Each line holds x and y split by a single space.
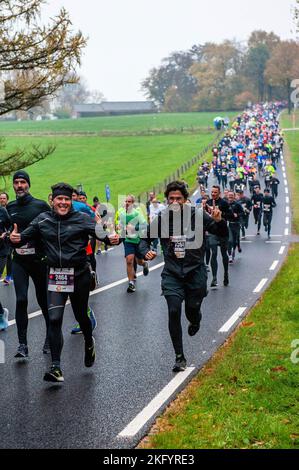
129 37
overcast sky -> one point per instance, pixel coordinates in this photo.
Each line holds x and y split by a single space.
129 37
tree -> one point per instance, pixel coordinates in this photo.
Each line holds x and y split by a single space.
36 60
283 67
218 76
257 59
174 72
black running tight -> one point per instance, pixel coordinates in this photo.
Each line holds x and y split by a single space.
193 314
79 302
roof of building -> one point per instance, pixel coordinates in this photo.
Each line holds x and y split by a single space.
115 106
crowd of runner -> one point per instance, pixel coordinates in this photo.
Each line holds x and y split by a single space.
56 243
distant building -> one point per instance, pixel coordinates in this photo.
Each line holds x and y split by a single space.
114 108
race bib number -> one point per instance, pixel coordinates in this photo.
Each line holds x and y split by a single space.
25 250
61 280
258 204
267 207
179 246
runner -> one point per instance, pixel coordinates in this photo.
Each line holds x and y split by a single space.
234 226
184 277
64 234
129 221
257 201
27 260
215 240
268 205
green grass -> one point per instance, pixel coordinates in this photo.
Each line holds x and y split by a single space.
114 123
292 139
128 164
247 396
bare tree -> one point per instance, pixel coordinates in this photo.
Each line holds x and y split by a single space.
36 60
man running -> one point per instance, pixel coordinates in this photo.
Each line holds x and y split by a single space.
257 201
27 260
181 229
64 235
129 221
215 240
268 205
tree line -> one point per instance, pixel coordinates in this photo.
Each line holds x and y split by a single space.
226 76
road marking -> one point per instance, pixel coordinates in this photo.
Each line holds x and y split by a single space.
274 265
269 242
233 319
286 232
285 182
246 241
284 175
287 210
287 220
196 192
97 291
287 200
286 190
258 289
153 407
282 250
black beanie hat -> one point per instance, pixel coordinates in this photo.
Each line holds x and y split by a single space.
62 189
22 174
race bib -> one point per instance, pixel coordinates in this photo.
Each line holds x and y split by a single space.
267 207
179 246
61 280
25 250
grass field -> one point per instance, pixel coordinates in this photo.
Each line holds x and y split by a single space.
115 123
128 164
292 138
247 396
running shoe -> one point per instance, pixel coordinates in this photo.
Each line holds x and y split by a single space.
131 288
90 354
77 330
22 351
226 281
145 269
54 375
180 364
4 320
7 281
193 329
214 283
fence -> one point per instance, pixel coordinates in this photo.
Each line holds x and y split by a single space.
177 174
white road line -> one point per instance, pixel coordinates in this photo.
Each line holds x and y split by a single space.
287 220
258 289
284 175
196 192
153 407
287 190
287 210
286 232
282 250
95 292
246 241
287 200
285 183
274 265
233 319
272 242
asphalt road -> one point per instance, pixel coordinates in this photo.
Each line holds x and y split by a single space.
114 404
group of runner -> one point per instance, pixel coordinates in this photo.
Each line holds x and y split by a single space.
54 244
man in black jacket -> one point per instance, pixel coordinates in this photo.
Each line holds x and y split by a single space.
181 229
216 240
64 235
27 260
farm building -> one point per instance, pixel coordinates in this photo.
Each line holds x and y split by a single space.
114 108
